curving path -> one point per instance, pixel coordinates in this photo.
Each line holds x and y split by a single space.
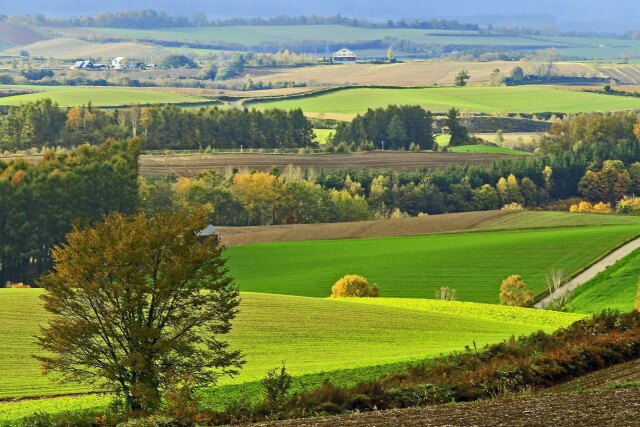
591 272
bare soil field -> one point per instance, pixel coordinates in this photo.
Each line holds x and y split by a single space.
266 93
615 376
192 164
413 73
232 236
604 408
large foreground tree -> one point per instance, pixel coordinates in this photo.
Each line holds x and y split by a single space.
139 303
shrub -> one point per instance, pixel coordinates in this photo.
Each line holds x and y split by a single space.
629 205
513 207
18 285
354 286
276 385
586 207
515 293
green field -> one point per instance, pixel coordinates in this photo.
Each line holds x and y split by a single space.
254 35
98 96
309 334
487 149
323 134
414 267
613 289
519 99
443 141
535 220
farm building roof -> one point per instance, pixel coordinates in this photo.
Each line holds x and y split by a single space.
344 53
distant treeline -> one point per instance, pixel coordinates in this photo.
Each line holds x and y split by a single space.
149 18
44 124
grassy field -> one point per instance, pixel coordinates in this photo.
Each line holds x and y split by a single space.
412 73
254 35
536 220
602 48
70 48
521 99
98 96
308 334
414 267
487 149
323 134
614 288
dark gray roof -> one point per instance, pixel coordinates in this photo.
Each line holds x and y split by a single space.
209 231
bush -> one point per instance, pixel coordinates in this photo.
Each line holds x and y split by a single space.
276 385
177 61
513 207
629 206
515 293
354 286
586 207
18 285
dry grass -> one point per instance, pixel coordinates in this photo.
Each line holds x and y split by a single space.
414 73
69 48
233 236
192 164
18 34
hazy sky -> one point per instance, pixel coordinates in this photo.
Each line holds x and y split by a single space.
618 14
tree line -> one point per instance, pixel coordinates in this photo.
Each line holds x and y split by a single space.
39 202
44 124
403 127
149 18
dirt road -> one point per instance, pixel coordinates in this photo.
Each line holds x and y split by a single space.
591 272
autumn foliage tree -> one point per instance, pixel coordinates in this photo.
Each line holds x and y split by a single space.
514 292
137 305
353 285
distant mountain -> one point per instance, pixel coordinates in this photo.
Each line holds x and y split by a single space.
618 15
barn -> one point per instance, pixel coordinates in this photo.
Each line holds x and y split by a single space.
344 56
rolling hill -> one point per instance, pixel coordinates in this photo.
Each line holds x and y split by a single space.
99 96
309 334
520 99
414 267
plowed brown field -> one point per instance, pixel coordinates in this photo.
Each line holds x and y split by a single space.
232 236
605 408
192 164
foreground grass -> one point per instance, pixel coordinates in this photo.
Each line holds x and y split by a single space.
613 289
316 338
414 267
98 96
310 335
520 99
